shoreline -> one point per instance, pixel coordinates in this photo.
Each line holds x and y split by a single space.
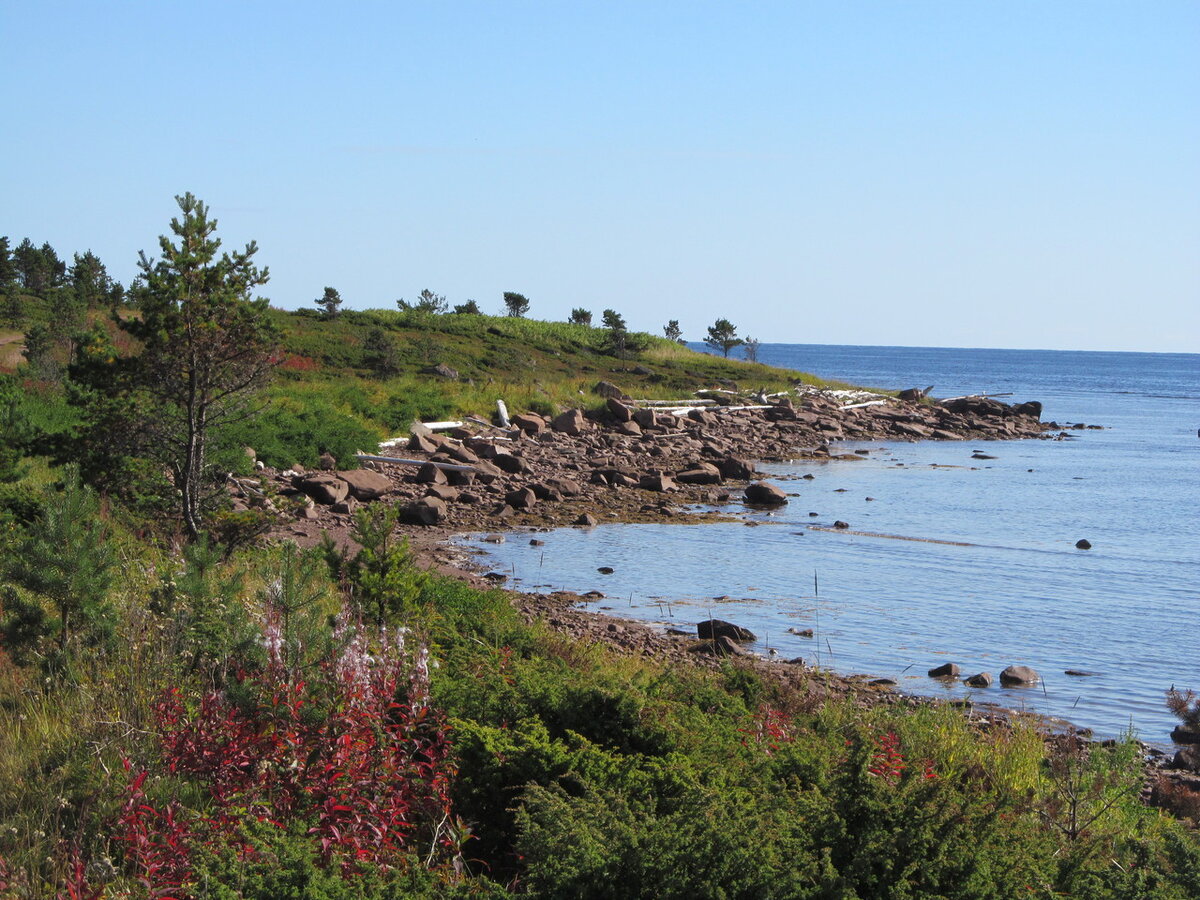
630 464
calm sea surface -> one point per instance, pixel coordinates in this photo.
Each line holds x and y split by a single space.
1010 587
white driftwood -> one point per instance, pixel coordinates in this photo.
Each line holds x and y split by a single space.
449 467
861 405
974 397
442 426
674 402
502 412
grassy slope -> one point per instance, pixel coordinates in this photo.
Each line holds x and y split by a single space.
531 365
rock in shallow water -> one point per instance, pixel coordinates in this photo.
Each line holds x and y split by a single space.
945 670
1019 675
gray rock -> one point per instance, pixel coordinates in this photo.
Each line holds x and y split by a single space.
980 680
945 670
712 628
1019 675
587 520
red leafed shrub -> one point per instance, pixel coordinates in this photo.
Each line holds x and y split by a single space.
155 842
887 762
769 729
361 759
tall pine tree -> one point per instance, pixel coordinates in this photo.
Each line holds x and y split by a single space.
207 347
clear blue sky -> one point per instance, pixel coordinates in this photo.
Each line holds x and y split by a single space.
959 173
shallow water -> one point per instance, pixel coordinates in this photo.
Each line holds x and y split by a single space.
1006 586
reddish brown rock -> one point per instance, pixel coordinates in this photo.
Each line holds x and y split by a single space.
522 498
325 489
529 423
570 422
365 484
425 511
763 493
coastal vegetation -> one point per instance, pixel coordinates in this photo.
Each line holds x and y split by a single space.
187 710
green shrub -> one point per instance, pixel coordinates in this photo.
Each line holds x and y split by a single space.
291 431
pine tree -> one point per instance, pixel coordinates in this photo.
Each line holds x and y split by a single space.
207 347
722 335
516 304
330 303
66 558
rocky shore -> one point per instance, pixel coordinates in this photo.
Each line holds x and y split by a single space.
639 462
627 462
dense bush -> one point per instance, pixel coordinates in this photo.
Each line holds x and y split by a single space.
289 431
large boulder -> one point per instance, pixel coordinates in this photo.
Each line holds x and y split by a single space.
521 498
565 486
618 410
1030 408
513 465
1019 676
645 418
571 422
660 483
1182 734
700 473
710 629
762 493
422 443
365 484
737 468
425 511
530 423
718 646
430 474
325 489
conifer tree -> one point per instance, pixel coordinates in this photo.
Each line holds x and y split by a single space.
207 347
65 558
330 303
722 335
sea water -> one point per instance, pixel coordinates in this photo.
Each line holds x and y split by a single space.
952 558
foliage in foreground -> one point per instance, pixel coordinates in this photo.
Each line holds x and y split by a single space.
260 729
